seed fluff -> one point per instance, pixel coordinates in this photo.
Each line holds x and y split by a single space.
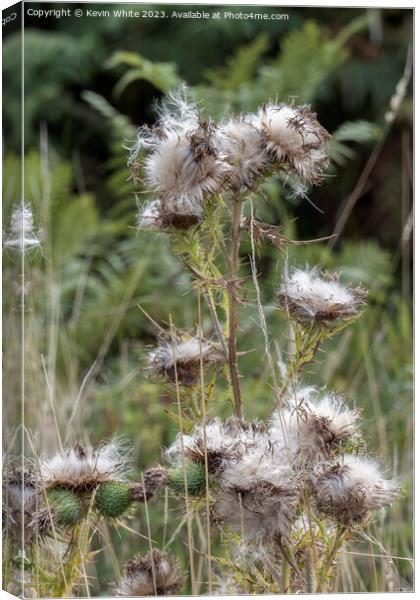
309 297
181 359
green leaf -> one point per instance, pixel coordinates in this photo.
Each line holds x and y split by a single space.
357 131
361 132
240 67
162 76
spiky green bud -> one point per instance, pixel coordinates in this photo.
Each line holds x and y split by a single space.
66 506
113 498
196 479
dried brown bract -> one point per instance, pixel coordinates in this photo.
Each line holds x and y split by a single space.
153 480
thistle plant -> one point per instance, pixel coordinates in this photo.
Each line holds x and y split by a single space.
53 507
273 501
292 490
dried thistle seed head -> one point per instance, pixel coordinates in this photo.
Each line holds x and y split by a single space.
150 575
294 136
219 443
82 468
23 235
183 165
176 113
181 358
153 479
258 495
22 506
351 489
241 146
308 297
312 427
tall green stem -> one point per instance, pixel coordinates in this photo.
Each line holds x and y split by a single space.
326 568
75 555
307 344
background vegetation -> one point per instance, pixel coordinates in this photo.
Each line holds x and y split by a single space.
89 83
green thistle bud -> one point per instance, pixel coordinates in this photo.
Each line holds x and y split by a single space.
196 479
66 506
113 498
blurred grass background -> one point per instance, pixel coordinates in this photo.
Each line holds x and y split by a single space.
89 83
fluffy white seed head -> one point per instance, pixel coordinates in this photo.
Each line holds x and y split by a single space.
183 165
312 426
351 489
255 489
222 441
258 495
150 575
23 235
180 359
294 136
241 146
309 297
81 467
181 168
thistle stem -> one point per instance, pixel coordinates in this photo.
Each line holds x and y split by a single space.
233 307
307 346
328 564
64 584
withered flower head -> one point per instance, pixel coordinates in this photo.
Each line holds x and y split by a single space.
181 358
308 297
84 468
294 136
258 495
153 479
351 489
312 426
183 165
155 574
242 147
221 441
